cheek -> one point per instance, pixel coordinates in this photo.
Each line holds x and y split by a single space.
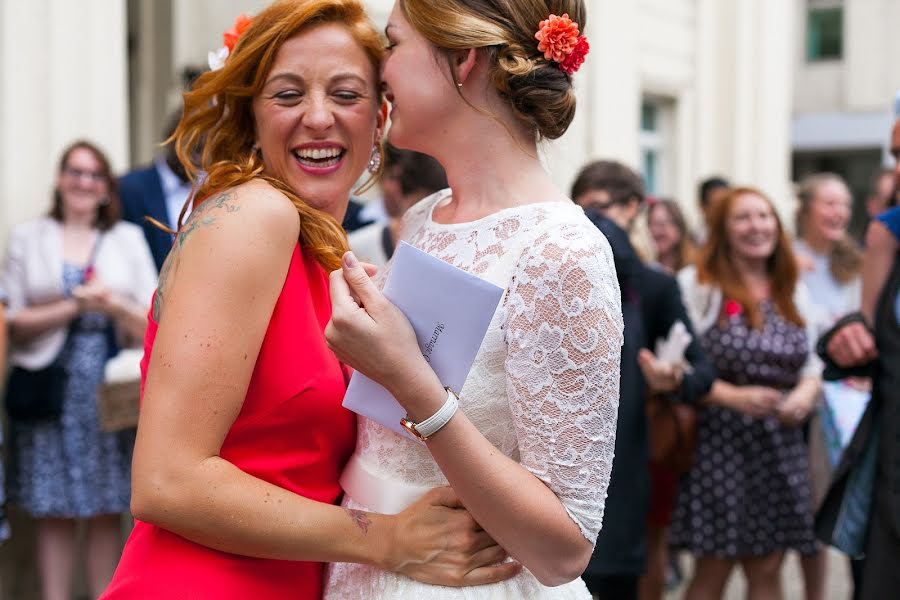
362 127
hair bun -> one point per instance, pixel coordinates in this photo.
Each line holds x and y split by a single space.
540 94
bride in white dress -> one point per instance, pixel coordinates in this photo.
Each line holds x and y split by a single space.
530 450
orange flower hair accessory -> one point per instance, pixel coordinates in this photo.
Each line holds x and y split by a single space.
560 41
216 58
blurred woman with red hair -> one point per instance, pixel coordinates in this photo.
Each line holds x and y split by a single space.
747 498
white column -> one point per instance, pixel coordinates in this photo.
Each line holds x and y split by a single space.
615 93
156 90
62 77
745 93
770 142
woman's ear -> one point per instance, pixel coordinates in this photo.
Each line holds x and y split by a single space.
465 63
381 119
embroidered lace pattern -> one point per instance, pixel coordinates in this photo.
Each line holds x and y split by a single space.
544 387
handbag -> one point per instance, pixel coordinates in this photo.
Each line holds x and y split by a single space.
673 433
118 398
35 395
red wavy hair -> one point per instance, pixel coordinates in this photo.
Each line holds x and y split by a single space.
217 131
715 265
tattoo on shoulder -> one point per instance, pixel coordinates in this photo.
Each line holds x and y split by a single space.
361 519
203 216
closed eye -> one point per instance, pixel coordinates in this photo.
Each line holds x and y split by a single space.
288 95
347 96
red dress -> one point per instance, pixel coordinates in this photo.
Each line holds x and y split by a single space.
291 432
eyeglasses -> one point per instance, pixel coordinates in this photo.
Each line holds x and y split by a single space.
79 173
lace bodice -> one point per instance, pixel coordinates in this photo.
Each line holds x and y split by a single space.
544 387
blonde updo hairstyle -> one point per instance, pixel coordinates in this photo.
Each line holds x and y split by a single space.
217 131
539 93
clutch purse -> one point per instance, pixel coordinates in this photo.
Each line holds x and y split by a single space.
35 395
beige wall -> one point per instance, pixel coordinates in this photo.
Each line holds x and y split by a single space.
62 77
867 77
719 65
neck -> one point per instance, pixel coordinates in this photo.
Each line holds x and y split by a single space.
79 221
623 222
753 272
496 172
818 244
669 260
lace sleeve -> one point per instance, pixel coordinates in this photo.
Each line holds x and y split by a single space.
564 336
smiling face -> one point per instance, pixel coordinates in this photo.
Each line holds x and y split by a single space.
663 230
317 115
829 212
417 84
82 183
751 228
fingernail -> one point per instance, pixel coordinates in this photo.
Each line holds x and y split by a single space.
350 261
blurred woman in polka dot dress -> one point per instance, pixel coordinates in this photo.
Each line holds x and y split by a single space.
747 498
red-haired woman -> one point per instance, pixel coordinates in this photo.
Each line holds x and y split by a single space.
242 436
747 498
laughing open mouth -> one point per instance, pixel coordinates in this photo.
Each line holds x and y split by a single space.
319 158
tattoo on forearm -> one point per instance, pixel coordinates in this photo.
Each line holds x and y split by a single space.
203 216
361 519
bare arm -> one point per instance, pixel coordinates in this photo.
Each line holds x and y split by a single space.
753 400
29 321
881 251
32 321
130 317
543 510
800 401
3 340
200 369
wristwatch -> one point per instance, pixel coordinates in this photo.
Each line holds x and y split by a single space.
435 422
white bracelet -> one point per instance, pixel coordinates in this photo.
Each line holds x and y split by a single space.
435 422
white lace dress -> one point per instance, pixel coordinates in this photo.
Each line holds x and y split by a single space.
544 387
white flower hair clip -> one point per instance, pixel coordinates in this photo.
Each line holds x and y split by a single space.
216 58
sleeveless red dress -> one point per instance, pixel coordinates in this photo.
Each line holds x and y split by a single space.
291 432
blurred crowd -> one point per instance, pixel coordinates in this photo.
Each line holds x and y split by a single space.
728 436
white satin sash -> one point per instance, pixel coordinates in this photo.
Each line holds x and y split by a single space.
385 496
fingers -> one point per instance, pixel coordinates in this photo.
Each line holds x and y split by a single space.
761 401
341 298
486 557
478 541
358 280
493 574
371 270
852 345
443 496
867 342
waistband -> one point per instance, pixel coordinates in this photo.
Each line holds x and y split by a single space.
385 496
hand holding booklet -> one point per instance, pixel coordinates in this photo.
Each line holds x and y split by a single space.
449 310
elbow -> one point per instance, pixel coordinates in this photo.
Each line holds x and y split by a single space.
155 496
564 567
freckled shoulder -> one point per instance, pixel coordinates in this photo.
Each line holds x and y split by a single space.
238 215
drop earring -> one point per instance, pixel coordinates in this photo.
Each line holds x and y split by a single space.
374 159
